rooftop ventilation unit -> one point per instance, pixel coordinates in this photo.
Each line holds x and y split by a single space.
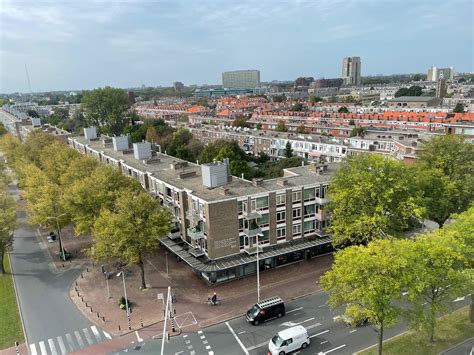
142 151
120 143
90 133
215 174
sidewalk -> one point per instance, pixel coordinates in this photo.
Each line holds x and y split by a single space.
191 292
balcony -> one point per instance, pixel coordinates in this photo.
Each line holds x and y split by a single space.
253 231
195 233
253 250
252 215
322 201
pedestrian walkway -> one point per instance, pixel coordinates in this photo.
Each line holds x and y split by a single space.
69 342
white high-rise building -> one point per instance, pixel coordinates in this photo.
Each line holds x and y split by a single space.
434 73
351 70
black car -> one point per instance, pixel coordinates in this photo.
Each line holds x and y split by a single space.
264 310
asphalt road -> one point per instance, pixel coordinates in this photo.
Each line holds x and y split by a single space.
328 336
52 322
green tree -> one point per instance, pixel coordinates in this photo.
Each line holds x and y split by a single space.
131 230
85 198
3 130
301 129
315 99
414 90
445 175
343 109
240 121
32 113
288 153
357 131
106 108
279 98
281 127
367 280
275 169
371 196
7 224
462 229
437 263
297 107
459 108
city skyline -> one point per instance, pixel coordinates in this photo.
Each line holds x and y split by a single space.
70 46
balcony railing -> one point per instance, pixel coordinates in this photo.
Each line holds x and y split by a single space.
252 215
252 232
195 233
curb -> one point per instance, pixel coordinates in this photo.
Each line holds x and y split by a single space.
18 301
375 345
455 346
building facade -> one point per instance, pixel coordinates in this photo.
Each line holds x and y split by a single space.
351 69
248 79
434 73
221 220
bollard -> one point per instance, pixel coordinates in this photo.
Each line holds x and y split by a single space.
141 323
87 269
63 265
87 305
103 318
76 283
91 310
98 315
82 298
119 327
77 293
82 276
75 288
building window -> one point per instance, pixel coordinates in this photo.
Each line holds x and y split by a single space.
309 194
280 200
265 239
324 191
309 211
296 196
260 203
240 207
317 192
281 233
281 216
309 227
263 221
296 213
297 229
241 224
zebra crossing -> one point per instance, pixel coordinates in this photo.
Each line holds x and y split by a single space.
69 342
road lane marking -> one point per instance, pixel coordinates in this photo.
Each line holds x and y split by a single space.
294 310
192 353
138 337
52 347
199 331
70 342
313 326
306 320
61 345
107 335
323 332
79 339
203 337
208 347
353 330
339 347
211 353
185 336
324 342
179 352
33 349
321 306
459 299
88 336
242 332
190 347
187 342
237 338
257 346
43 348
96 333
205 342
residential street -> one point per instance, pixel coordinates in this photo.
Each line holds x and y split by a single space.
52 322
239 337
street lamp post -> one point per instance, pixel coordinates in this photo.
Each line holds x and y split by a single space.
166 258
258 273
126 298
61 247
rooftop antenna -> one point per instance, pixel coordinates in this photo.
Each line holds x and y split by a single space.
28 78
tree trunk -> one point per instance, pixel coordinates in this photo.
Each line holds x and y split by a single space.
2 270
380 339
142 273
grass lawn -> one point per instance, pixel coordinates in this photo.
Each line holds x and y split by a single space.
10 324
452 329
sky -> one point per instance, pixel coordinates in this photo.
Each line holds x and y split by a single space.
84 44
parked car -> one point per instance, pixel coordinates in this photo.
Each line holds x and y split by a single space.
289 340
264 310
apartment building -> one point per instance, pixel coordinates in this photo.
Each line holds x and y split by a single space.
247 79
351 71
221 221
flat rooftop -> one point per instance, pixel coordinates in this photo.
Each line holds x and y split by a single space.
237 187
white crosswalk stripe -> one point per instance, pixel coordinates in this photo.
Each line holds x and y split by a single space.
79 339
88 336
96 333
69 342
61 345
52 347
43 348
33 349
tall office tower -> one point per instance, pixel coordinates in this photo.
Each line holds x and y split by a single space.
441 88
351 70
247 79
435 73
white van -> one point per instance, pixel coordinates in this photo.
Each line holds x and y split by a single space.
289 340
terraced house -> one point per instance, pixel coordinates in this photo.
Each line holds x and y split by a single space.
222 221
